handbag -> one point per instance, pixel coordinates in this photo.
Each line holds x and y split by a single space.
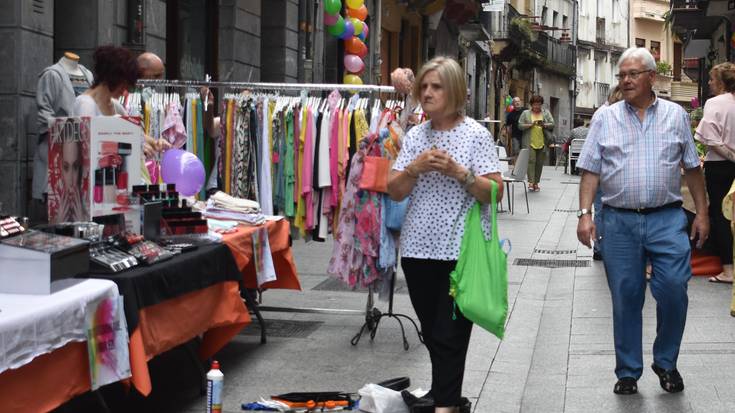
479 282
375 174
395 212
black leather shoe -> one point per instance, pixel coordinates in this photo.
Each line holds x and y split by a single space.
597 256
670 380
625 386
421 404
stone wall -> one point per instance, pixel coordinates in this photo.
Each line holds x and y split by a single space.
26 27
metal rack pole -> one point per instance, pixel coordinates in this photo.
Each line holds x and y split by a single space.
267 86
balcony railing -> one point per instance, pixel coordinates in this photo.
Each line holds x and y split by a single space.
602 90
685 4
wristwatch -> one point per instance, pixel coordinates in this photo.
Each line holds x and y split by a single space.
469 180
583 211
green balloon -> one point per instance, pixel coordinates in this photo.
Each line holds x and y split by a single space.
337 28
332 6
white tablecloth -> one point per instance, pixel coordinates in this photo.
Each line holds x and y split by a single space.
33 325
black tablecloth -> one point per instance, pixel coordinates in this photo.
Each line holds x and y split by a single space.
144 286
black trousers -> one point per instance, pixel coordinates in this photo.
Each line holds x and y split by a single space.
446 338
719 176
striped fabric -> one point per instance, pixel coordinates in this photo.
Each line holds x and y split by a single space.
639 162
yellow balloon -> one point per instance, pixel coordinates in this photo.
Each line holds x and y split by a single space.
354 4
357 24
351 79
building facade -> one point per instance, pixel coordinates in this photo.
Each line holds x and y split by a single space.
706 29
230 40
602 36
533 53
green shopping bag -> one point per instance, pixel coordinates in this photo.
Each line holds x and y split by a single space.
479 282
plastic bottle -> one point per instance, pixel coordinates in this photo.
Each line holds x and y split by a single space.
215 380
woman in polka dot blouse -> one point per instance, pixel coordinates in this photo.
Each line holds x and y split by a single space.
445 165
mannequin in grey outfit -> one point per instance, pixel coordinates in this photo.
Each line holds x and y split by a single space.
58 86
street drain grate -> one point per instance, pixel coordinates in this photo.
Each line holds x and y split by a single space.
554 252
530 262
283 328
565 210
333 284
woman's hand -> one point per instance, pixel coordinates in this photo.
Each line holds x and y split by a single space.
443 163
152 146
423 163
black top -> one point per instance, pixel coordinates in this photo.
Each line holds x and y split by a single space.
512 120
144 286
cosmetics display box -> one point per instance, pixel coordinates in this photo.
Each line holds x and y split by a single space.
32 260
93 164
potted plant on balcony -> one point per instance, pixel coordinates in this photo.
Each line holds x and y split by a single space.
662 85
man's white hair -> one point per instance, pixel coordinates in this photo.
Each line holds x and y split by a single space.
639 53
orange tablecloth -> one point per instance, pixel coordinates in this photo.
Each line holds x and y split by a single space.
50 380
705 264
241 245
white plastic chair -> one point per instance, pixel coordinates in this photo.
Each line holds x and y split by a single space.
504 165
575 148
517 175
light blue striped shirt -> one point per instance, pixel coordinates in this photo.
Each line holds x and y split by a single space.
639 162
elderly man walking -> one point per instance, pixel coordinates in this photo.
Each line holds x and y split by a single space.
634 151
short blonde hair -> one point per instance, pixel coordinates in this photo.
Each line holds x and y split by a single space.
725 74
453 81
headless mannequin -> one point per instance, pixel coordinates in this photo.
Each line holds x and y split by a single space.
70 63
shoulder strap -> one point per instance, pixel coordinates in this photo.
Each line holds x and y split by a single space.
494 208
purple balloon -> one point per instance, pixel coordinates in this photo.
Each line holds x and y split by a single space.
330 19
365 29
353 63
183 169
349 30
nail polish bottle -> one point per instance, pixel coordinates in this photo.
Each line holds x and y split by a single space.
98 186
109 191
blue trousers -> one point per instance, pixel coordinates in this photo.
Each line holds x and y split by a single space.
631 239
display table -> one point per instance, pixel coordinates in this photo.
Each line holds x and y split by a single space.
240 243
43 350
172 302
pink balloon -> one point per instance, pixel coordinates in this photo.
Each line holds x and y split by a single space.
365 29
183 169
330 19
353 63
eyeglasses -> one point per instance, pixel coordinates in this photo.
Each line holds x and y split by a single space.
633 74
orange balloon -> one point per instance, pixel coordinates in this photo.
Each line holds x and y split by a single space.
353 45
360 13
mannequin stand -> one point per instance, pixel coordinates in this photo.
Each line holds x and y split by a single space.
374 315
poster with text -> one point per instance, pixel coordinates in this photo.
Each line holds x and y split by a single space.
68 170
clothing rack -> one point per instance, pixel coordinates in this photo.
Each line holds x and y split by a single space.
267 86
372 314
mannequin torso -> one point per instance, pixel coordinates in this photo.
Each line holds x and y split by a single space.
70 64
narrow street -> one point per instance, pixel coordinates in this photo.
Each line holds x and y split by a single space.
558 354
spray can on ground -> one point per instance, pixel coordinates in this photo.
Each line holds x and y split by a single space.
215 380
